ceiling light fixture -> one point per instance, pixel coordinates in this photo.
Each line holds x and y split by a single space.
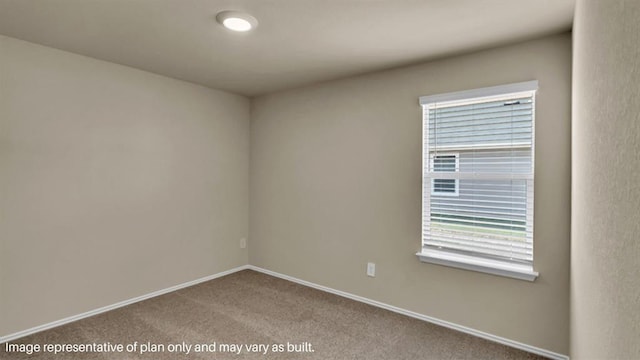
236 20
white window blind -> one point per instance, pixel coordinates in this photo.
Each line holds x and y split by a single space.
491 133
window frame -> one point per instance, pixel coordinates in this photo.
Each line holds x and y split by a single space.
469 261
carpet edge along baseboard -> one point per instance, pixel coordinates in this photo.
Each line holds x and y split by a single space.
447 324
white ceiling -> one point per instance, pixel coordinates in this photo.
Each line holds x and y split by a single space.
297 42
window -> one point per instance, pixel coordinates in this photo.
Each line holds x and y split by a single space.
444 163
478 161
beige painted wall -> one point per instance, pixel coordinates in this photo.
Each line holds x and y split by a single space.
336 182
113 183
605 270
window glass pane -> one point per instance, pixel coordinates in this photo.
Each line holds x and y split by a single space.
444 163
444 185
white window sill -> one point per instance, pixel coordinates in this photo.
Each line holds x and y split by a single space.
494 267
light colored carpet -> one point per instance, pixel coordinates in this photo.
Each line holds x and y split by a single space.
248 307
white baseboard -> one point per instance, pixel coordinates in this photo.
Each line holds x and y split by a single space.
450 325
120 304
464 329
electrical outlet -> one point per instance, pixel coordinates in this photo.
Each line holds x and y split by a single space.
243 243
371 269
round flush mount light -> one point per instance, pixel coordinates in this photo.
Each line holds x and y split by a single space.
236 20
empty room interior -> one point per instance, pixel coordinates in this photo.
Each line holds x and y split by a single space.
311 179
